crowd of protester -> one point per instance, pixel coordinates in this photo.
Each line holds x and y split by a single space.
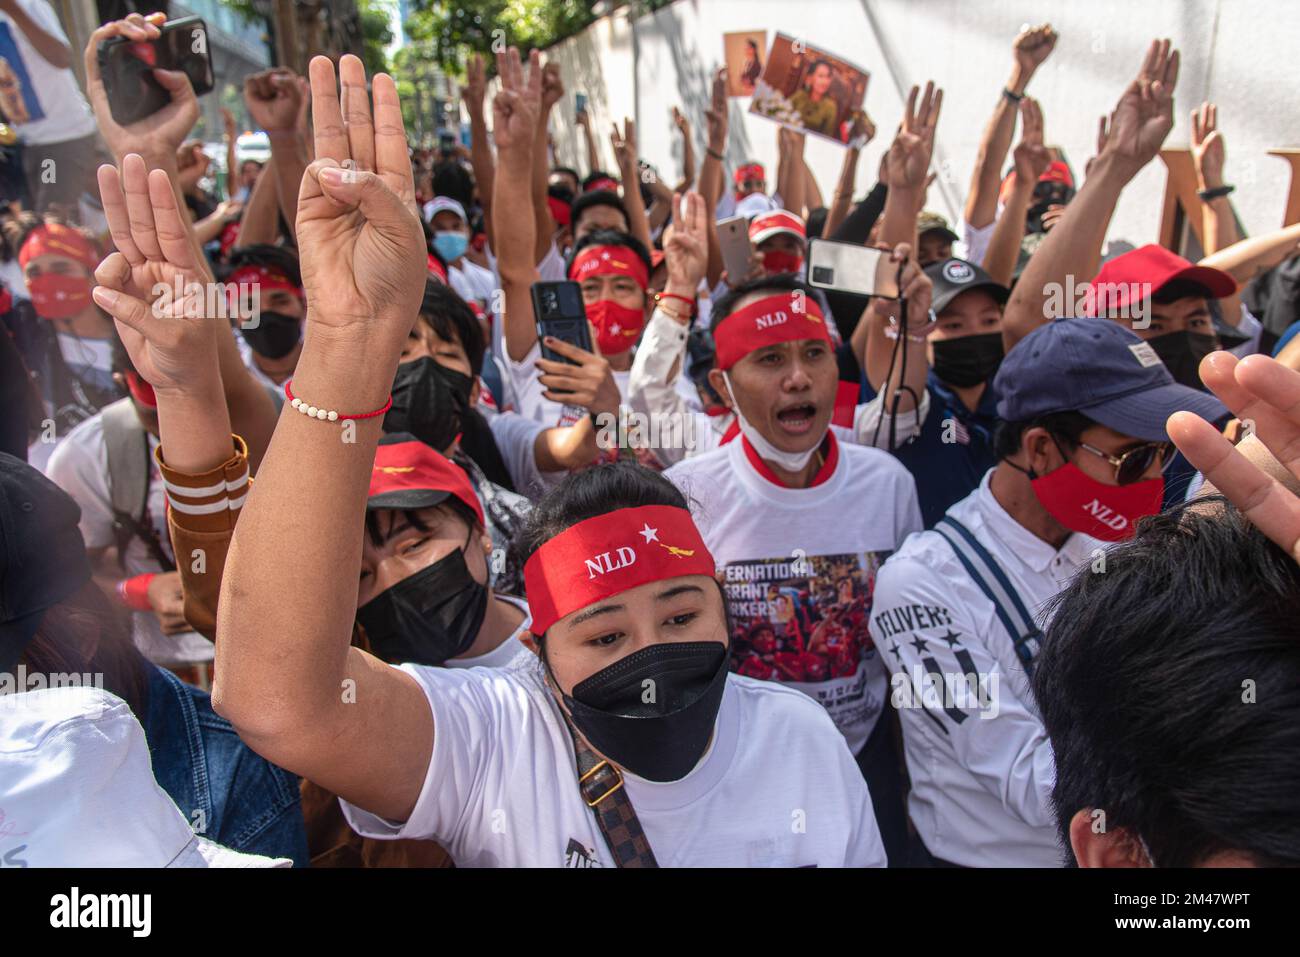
366 573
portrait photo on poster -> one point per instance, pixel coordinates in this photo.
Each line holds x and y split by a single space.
809 90
744 53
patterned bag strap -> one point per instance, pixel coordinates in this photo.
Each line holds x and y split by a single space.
601 785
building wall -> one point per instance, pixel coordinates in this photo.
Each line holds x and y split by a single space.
1239 53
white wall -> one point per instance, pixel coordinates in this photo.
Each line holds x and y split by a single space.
1240 53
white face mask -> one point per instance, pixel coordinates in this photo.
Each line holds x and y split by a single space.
790 461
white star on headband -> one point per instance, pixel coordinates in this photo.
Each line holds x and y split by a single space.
649 534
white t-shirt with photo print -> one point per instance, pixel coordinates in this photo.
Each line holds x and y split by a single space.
41 101
799 568
776 787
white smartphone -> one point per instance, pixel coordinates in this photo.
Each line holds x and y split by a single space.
849 267
733 242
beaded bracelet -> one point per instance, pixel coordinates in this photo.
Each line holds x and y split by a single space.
330 415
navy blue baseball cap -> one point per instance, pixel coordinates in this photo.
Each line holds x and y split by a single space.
1100 368
42 554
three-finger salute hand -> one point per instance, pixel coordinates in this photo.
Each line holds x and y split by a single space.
359 237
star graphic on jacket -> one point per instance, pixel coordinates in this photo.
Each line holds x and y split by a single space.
649 534
919 644
952 638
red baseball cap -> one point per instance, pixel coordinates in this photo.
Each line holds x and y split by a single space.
1155 267
409 474
1058 172
778 221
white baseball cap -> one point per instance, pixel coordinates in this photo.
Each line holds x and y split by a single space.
77 789
755 204
443 204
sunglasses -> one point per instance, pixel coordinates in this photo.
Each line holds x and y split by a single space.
1133 464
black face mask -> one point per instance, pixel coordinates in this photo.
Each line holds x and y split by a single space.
1182 352
968 360
430 401
427 617
653 711
275 335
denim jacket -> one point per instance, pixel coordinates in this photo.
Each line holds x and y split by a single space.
227 792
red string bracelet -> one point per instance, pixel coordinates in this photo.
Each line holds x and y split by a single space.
329 414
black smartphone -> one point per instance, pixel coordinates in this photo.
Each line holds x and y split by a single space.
126 67
559 312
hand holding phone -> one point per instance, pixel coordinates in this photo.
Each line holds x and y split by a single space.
559 313
734 245
127 61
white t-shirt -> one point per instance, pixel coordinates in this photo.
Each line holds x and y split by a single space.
47 105
799 567
79 466
472 281
981 768
775 788
516 439
551 268
506 653
976 239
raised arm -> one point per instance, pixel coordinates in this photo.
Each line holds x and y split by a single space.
53 50
552 93
1030 48
480 147
229 134
905 383
624 144
907 165
864 131
1219 226
274 98
1141 121
1249 258
711 175
1032 160
583 119
515 109
261 219
287 676
157 138
688 151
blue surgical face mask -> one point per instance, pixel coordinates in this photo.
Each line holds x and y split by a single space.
450 245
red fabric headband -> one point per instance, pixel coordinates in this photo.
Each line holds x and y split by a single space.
609 554
749 171
609 261
58 240
784 317
261 277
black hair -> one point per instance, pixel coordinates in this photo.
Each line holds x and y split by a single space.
597 197
18 227
817 222
1179 289
1170 688
451 504
452 319
610 237
1064 426
119 358
452 179
280 258
595 176
560 192
820 61
566 171
781 282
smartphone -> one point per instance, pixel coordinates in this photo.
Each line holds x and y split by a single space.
733 242
580 102
446 141
127 67
559 312
849 267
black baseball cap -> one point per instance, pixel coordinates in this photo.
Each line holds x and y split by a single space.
1100 368
952 277
42 554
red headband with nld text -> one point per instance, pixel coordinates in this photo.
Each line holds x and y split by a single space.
783 317
609 554
609 261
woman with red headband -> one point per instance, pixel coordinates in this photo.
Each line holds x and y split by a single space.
629 704
70 351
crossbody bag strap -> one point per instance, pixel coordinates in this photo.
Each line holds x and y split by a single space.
985 571
601 786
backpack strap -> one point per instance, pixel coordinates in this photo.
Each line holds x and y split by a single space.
985 571
129 470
